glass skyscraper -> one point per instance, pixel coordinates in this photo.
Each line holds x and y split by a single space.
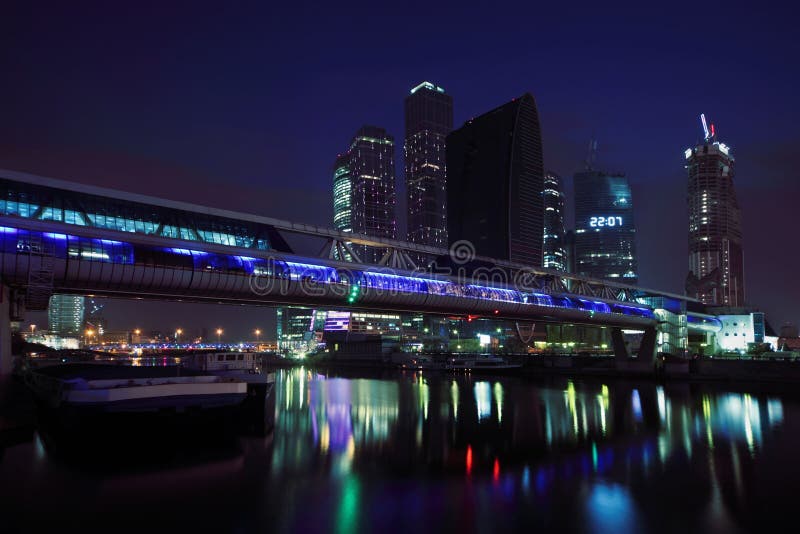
429 118
363 189
554 254
605 244
716 263
495 179
65 315
294 328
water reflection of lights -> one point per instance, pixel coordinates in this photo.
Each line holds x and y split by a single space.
454 399
347 418
611 508
348 509
498 399
483 400
636 405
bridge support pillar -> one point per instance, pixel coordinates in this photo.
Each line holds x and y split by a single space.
6 359
647 349
618 342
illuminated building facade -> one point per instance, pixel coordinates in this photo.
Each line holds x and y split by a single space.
495 179
65 315
429 118
716 263
605 245
294 329
388 325
554 255
363 189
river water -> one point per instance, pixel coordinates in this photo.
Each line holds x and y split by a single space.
411 452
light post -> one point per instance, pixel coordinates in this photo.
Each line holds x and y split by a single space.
89 334
258 336
178 333
33 328
219 336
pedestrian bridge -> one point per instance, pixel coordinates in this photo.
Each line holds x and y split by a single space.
63 237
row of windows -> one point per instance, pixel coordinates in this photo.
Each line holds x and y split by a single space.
49 204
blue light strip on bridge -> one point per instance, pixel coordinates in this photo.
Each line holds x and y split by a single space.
109 251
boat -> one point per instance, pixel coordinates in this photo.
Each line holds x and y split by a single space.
256 414
417 362
97 408
480 363
120 388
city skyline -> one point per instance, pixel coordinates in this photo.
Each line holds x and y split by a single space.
234 130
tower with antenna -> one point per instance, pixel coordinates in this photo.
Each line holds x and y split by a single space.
591 154
710 134
716 260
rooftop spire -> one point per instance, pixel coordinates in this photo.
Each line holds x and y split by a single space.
591 155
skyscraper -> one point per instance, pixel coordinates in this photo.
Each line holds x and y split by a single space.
605 245
716 264
495 181
554 253
429 118
294 328
65 315
363 189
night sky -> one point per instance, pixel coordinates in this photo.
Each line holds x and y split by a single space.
247 108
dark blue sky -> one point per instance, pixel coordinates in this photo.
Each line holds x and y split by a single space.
246 107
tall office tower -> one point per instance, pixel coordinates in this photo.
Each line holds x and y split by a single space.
554 254
716 264
429 118
495 180
363 189
65 315
605 245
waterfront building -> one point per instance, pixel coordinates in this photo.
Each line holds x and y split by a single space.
716 263
364 189
388 325
605 232
428 120
495 181
554 255
65 315
295 329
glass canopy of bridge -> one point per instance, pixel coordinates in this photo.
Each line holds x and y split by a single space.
33 201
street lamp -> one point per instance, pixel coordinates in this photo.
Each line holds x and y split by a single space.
89 334
33 328
178 333
258 335
219 335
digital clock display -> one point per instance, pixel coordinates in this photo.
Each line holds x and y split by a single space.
602 222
